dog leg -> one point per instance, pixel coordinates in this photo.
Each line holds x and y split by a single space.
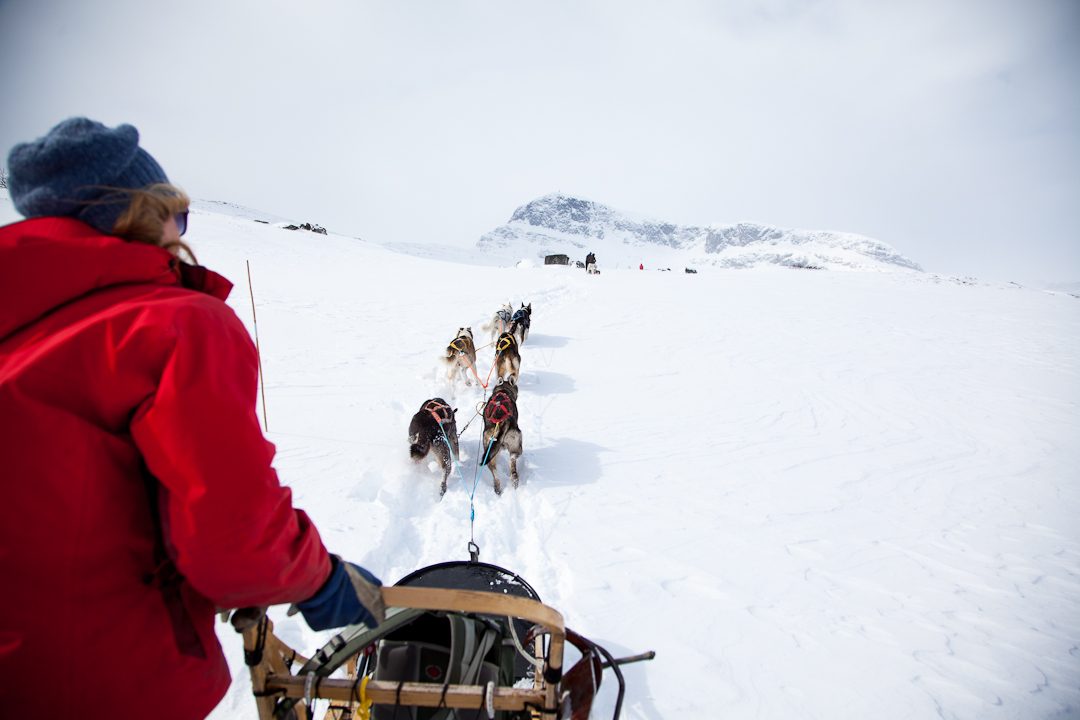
443 452
495 478
463 368
512 443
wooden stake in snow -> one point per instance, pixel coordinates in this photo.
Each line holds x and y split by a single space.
258 353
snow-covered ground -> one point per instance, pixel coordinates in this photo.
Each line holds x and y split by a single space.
814 494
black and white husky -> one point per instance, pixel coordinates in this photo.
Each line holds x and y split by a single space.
434 428
461 355
501 430
520 322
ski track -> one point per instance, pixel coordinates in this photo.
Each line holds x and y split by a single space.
815 495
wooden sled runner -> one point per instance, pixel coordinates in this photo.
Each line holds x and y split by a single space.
453 646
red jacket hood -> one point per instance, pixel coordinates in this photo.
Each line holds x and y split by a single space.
47 262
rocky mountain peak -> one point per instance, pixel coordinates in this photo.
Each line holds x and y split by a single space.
558 223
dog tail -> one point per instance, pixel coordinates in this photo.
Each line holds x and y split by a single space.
417 448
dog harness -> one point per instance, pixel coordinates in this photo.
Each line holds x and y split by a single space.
521 316
458 344
500 407
506 341
439 410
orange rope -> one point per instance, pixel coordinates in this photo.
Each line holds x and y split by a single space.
473 368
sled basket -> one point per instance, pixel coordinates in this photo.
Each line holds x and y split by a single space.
461 641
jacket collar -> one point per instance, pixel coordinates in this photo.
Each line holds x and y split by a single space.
48 262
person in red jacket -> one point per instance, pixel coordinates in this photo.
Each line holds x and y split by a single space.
139 495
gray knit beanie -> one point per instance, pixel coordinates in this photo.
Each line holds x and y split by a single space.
74 171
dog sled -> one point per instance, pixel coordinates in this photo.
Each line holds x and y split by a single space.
464 640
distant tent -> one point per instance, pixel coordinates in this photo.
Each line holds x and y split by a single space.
557 260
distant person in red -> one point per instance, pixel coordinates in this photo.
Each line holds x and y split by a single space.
641 266
138 489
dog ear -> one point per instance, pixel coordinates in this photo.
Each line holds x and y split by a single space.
455 411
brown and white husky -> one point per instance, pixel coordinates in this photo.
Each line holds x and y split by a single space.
501 430
461 355
507 357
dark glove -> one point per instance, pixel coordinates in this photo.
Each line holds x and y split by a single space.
350 596
244 618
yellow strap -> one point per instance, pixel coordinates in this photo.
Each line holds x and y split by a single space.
364 711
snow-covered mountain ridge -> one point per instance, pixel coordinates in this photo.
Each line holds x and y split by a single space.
559 223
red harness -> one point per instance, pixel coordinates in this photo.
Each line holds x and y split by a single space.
500 407
442 412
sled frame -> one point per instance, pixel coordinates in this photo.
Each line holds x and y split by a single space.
269 660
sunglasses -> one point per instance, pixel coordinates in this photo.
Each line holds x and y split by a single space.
181 222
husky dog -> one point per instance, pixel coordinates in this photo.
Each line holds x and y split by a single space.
507 357
461 355
501 430
520 322
500 322
434 428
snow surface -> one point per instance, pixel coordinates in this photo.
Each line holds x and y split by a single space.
814 494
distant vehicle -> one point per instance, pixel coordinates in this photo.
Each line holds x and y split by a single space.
691 271
556 259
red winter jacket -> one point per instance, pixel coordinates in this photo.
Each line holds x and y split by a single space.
123 376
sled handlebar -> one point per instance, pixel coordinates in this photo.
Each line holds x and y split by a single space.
487 603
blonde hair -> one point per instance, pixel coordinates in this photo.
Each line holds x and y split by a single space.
148 210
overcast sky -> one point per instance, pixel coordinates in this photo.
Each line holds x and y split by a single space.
948 129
